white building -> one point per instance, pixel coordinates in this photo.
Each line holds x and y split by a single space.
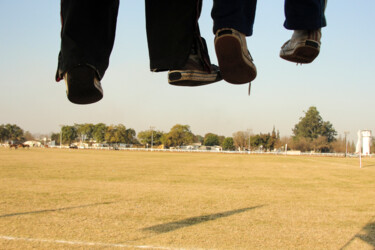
364 142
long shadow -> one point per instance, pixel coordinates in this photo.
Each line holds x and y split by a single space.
54 210
366 234
171 226
368 166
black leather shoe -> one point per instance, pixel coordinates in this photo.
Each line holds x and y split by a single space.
193 74
198 69
83 85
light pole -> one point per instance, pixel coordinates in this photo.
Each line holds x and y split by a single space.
152 136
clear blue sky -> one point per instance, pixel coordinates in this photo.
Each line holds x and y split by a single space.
340 83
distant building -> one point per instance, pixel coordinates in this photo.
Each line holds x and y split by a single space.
33 143
364 142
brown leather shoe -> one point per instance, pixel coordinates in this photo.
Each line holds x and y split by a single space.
235 62
303 47
83 85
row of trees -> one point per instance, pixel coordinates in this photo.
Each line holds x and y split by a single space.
179 135
100 133
311 133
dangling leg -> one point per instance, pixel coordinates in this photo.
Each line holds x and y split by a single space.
233 21
87 37
306 18
175 43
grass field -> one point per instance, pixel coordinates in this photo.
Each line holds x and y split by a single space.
88 199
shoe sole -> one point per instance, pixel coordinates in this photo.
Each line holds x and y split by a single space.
304 53
192 78
82 89
233 67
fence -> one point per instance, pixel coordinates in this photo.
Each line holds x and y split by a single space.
288 153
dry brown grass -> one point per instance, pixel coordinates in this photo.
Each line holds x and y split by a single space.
184 200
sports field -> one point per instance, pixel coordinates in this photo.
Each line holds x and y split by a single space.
91 199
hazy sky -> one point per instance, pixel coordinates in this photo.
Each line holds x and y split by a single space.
340 83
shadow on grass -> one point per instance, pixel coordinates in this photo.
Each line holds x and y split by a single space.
368 166
367 234
171 226
54 210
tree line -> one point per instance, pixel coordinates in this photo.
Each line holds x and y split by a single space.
311 133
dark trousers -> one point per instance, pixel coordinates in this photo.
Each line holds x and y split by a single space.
89 26
87 34
240 14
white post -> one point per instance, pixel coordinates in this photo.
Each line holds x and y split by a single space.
286 149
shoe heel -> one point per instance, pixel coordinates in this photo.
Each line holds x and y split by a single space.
233 67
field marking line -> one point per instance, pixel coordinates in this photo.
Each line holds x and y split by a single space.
83 243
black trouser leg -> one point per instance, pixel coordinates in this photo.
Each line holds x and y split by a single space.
235 14
172 27
304 14
87 34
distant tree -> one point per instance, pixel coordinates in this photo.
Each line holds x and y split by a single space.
130 137
228 144
322 145
14 132
28 136
145 137
312 126
221 139
178 135
338 146
301 143
352 147
241 139
285 140
85 131
115 134
120 134
198 139
55 137
69 134
263 141
111 135
4 133
273 139
98 132
211 139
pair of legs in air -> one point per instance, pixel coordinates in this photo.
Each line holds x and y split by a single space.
174 41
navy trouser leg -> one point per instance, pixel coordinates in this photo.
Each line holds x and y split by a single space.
304 14
235 14
87 34
172 29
